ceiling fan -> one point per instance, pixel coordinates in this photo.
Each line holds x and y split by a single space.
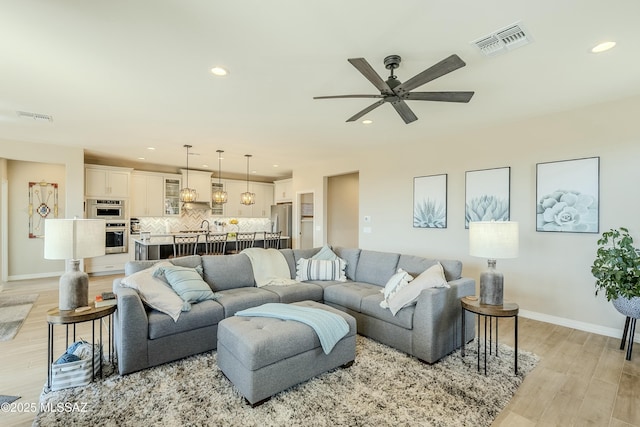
395 92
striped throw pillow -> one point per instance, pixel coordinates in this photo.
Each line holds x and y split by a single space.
320 269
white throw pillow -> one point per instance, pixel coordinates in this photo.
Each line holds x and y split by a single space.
433 277
394 284
155 292
320 269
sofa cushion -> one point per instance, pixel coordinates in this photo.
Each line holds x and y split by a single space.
415 265
237 299
206 313
376 267
320 269
304 253
187 261
324 283
371 307
223 272
288 255
350 294
297 292
350 256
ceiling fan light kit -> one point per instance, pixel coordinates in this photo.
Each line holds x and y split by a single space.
396 93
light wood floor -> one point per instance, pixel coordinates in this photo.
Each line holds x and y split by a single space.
582 379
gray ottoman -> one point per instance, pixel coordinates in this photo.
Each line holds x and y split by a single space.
262 356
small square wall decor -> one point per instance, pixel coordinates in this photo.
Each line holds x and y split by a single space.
567 196
430 201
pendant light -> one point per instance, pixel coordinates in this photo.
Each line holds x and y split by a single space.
248 198
187 195
219 196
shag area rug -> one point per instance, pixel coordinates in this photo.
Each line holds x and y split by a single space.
13 311
384 387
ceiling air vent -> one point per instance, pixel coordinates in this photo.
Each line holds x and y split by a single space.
35 116
503 40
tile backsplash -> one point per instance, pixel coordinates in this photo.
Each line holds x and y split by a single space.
193 219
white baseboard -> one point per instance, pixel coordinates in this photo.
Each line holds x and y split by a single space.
576 324
35 276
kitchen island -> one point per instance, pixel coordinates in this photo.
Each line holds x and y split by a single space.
160 246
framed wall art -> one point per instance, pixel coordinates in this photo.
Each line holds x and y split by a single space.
43 201
567 196
487 195
430 201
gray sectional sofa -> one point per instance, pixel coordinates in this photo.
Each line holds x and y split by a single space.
428 330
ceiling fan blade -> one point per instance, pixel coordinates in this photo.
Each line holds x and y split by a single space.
439 96
365 68
348 96
366 110
443 67
405 112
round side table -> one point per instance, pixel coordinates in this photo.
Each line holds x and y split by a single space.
72 317
489 311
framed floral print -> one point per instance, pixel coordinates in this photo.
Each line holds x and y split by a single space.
487 195
567 196
430 201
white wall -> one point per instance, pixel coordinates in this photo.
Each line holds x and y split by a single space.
551 279
72 160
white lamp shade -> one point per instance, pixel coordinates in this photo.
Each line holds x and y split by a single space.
493 239
74 238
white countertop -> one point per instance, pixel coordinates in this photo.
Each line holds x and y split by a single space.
167 239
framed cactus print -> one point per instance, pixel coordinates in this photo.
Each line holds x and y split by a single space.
430 201
487 195
567 196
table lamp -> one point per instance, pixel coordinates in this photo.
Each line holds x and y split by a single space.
493 240
74 239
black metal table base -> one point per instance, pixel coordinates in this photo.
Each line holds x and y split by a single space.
630 321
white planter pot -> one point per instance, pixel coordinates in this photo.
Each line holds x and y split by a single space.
628 307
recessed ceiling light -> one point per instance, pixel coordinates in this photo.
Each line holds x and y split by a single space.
603 47
367 122
140 158
151 148
219 71
276 166
205 166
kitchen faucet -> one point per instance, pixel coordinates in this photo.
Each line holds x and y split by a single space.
202 224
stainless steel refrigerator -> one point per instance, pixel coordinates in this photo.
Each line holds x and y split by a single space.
281 217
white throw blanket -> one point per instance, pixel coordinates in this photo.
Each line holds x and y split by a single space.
269 267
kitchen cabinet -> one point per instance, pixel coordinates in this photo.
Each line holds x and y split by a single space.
172 195
233 207
199 181
264 199
283 190
147 194
107 182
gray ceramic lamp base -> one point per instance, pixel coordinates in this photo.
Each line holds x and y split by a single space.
491 285
74 288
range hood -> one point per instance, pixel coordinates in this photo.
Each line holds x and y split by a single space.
196 206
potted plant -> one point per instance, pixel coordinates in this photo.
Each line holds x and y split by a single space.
617 271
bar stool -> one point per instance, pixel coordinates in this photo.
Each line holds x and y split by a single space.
272 239
216 244
185 244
